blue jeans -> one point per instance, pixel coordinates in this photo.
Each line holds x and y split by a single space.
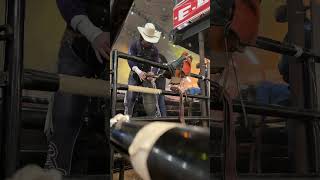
270 93
161 84
149 100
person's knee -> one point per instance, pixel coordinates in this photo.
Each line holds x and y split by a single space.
33 172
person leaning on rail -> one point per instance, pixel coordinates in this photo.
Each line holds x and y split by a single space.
141 74
281 16
84 51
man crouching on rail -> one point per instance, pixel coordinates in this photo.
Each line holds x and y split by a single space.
141 74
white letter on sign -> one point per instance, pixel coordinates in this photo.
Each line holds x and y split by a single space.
202 2
183 12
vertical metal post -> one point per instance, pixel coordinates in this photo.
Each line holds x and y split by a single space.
208 76
114 82
1 129
204 110
315 18
114 79
2 21
14 66
121 172
297 128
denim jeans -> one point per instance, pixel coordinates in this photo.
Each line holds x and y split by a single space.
67 111
149 100
161 84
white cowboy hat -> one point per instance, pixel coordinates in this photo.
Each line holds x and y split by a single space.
149 33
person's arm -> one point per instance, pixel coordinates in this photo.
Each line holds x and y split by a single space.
156 58
74 13
134 65
132 52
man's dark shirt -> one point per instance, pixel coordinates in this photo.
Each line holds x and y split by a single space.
98 13
71 8
152 54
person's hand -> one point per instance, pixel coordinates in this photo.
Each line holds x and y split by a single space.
101 45
142 75
150 76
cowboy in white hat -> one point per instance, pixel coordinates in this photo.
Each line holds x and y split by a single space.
141 74
149 33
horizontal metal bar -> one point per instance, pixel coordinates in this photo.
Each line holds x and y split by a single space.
269 121
171 118
44 81
283 48
5 37
90 177
41 81
117 170
169 93
36 110
154 64
272 110
3 79
8 33
2 28
33 151
6 28
278 176
36 100
277 111
197 76
275 177
141 60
